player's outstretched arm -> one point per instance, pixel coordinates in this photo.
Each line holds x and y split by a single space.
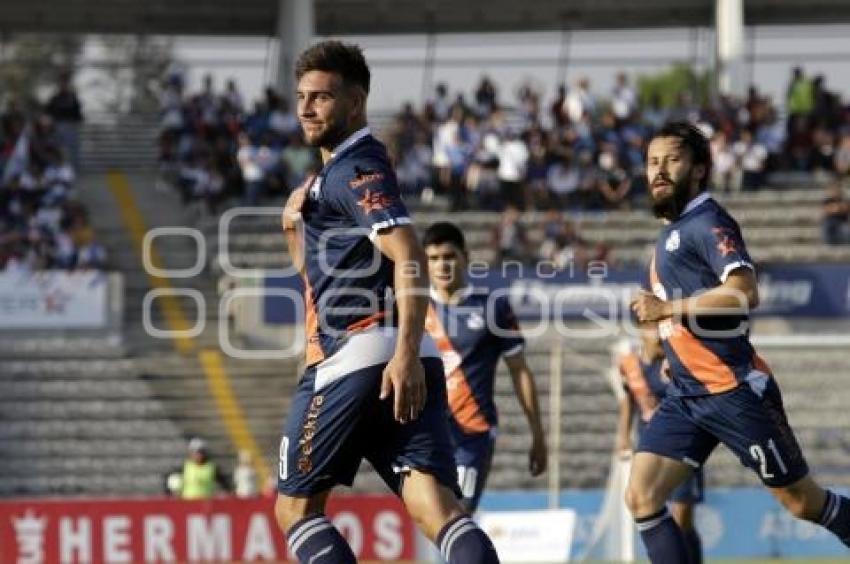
738 293
404 375
526 392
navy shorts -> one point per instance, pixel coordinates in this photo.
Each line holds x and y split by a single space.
328 433
750 420
473 456
691 490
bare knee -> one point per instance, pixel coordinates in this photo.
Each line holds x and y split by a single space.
643 500
289 510
651 480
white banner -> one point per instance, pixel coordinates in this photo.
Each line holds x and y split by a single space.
53 300
530 536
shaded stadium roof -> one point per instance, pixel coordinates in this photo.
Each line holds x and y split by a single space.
359 17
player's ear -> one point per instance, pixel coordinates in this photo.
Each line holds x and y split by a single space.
358 99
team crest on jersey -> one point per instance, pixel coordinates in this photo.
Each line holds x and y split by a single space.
475 321
672 242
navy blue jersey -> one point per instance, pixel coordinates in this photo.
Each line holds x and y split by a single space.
695 253
346 278
471 336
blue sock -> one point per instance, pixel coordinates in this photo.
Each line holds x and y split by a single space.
835 516
694 544
663 538
462 542
315 540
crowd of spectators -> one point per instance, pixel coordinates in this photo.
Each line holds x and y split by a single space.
581 151
211 148
42 226
585 151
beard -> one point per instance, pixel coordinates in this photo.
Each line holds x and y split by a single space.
329 138
670 206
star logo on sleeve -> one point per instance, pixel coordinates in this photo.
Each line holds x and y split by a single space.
725 243
374 201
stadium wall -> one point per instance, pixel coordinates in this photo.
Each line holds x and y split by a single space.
739 523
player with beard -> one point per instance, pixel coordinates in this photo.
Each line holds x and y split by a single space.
703 286
373 387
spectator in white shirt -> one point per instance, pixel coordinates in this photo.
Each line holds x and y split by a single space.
753 159
724 164
513 163
252 173
623 98
580 102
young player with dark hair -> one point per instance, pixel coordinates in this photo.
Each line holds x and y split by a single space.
473 332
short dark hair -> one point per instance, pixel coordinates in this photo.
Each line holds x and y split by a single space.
345 59
444 232
692 138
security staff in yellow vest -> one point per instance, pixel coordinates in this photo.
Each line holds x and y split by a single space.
200 474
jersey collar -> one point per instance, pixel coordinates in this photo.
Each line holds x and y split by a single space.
459 296
351 140
696 202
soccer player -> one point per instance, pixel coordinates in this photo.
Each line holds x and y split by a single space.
645 383
703 286
373 387
472 332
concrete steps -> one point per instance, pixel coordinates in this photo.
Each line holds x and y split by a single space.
127 143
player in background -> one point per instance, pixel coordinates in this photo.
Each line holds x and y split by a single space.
645 383
472 332
704 285
373 387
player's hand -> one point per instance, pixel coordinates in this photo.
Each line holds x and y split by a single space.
294 204
404 378
648 307
538 456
